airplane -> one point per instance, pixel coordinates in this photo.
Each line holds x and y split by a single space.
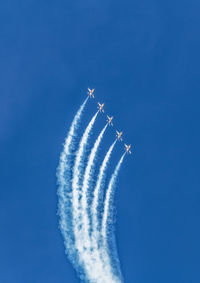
110 120
127 148
90 92
119 135
100 107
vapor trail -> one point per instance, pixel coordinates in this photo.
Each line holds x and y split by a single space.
89 254
101 265
109 198
77 194
97 195
88 177
64 182
96 270
107 214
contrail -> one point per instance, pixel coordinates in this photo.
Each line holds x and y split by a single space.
97 271
64 182
107 214
91 254
76 195
88 177
109 198
97 194
105 271
93 268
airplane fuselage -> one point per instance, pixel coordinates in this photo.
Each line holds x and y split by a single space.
110 120
100 107
127 148
90 92
119 135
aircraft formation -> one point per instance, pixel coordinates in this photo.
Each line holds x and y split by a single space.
109 120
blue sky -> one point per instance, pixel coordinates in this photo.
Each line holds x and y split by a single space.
143 59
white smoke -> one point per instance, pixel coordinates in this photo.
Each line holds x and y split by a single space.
80 245
88 177
109 198
64 175
97 194
89 253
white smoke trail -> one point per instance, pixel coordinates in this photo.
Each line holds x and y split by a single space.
86 183
76 195
85 254
64 189
96 269
101 264
97 194
108 198
107 214
90 261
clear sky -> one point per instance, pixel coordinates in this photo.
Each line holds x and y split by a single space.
143 59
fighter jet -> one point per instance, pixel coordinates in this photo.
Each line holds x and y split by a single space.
119 135
100 107
110 120
90 92
127 148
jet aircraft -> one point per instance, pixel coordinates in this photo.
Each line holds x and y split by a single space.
90 92
127 148
110 120
100 107
119 135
